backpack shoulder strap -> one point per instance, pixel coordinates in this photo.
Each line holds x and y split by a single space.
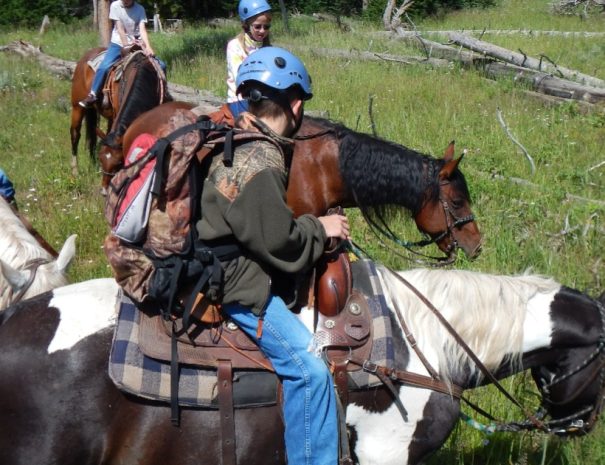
203 125
233 137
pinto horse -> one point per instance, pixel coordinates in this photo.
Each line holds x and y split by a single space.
27 267
132 88
60 405
335 166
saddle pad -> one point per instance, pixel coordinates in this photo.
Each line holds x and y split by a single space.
366 281
95 61
135 373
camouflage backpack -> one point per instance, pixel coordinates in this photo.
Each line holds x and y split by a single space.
152 208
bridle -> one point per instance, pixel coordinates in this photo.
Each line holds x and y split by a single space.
573 423
31 266
452 222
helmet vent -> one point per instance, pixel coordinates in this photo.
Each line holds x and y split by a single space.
280 62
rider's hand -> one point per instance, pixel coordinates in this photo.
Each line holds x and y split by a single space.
147 50
336 226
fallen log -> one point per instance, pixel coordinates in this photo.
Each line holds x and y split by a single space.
520 59
496 32
542 82
370 56
61 68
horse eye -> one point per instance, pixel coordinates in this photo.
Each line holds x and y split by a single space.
457 203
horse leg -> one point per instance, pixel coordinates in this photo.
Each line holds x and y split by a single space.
439 417
77 115
92 118
373 418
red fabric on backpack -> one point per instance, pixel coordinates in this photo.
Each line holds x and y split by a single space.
139 148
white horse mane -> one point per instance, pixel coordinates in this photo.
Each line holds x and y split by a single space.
487 311
17 248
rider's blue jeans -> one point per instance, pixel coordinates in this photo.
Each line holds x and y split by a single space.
309 399
113 54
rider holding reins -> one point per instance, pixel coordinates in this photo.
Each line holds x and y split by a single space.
129 29
245 203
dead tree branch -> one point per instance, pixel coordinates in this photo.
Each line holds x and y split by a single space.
511 137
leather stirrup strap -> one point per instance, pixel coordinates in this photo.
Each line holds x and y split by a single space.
341 380
225 402
344 452
174 378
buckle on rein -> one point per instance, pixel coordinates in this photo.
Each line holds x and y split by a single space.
369 366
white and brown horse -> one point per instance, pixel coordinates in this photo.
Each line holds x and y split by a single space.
63 407
26 267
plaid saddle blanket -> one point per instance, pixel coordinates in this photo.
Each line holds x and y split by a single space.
136 373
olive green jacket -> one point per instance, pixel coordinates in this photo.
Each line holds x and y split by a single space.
246 203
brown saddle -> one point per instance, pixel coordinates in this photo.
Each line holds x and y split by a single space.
343 330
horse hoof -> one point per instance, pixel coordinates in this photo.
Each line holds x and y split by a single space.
104 191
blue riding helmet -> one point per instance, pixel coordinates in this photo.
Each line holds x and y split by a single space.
250 8
276 68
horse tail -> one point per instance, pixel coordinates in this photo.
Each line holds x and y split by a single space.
92 120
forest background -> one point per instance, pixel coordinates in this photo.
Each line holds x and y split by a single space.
30 12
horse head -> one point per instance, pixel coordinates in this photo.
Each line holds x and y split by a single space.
110 156
572 379
36 276
445 214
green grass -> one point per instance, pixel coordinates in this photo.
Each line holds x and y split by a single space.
532 224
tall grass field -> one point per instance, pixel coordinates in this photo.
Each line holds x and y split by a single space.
551 222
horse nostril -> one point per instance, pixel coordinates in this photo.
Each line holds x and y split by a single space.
476 252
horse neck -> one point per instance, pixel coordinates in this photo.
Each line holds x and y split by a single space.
140 90
501 318
381 173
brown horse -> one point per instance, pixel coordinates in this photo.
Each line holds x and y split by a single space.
134 85
335 166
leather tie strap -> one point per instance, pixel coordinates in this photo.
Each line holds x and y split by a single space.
407 377
225 402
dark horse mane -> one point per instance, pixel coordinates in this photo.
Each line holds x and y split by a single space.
383 175
138 96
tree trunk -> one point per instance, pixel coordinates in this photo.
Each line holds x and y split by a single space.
388 12
519 59
104 22
95 15
284 15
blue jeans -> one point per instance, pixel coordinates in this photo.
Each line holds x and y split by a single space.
238 107
309 399
113 54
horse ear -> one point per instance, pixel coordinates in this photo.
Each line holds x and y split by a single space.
68 252
449 167
15 278
448 154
